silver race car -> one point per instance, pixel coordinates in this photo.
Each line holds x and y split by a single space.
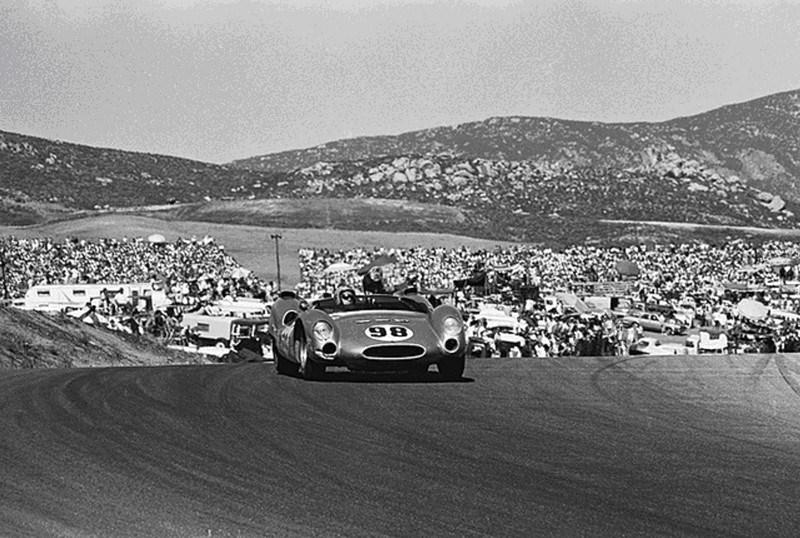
375 333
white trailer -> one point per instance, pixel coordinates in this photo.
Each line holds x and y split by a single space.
223 331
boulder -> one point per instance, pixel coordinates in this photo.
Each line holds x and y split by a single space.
401 163
776 205
764 197
675 171
697 187
466 166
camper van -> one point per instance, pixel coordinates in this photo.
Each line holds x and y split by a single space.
223 331
67 297
244 307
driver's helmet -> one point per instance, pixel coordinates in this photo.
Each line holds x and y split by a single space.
345 296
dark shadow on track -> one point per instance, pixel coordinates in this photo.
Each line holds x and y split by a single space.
347 376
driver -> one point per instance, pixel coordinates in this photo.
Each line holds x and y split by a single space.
346 296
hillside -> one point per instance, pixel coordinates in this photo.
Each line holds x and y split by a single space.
40 175
37 340
758 140
520 179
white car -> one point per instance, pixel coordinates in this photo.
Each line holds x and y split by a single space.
708 342
653 346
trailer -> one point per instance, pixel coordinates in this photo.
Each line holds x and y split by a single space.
224 331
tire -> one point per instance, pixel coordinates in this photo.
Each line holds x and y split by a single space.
283 366
452 369
310 369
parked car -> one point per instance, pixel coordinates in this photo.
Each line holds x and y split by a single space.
223 331
708 342
652 346
653 321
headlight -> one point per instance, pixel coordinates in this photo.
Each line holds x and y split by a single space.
452 325
322 331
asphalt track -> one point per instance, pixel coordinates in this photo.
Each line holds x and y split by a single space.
592 447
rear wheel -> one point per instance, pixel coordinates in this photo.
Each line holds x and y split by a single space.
453 368
309 368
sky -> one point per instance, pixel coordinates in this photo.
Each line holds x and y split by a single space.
217 80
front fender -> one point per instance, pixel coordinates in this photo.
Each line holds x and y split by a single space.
280 308
305 325
445 311
439 314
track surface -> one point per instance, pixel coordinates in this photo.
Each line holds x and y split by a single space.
641 446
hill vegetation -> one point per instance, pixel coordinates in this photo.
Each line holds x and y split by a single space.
758 140
37 340
83 177
514 178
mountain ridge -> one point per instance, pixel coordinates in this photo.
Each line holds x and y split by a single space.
737 165
757 139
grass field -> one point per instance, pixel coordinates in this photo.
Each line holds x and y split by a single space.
250 245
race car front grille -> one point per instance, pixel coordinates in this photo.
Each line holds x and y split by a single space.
394 351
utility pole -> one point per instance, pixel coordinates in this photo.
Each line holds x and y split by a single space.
3 267
277 237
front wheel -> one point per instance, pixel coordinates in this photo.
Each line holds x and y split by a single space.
309 368
452 369
283 365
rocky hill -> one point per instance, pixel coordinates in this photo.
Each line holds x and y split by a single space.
50 174
531 179
757 141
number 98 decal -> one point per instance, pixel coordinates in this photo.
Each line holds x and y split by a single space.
389 333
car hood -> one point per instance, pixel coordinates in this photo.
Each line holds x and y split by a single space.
369 328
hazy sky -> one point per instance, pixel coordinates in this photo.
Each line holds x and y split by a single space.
217 80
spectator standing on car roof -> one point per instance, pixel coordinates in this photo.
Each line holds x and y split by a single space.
373 281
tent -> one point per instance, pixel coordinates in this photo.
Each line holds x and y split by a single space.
626 268
156 239
339 267
573 301
783 261
240 272
752 309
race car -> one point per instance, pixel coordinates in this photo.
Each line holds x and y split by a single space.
377 333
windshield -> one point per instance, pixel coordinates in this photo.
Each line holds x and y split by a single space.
372 302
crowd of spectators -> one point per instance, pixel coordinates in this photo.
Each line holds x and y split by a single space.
189 270
192 273
708 279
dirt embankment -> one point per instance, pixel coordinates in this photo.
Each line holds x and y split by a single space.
38 340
